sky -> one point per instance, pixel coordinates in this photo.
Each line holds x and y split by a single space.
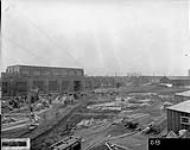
104 37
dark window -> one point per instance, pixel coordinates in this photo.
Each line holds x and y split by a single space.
25 72
4 87
38 84
65 85
185 120
21 86
77 85
53 86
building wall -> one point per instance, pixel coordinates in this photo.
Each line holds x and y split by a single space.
53 82
99 82
20 85
181 82
43 71
0 93
46 85
174 121
19 80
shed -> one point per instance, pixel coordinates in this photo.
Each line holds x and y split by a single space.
178 116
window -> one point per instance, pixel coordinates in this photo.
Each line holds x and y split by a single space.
71 73
26 72
79 73
46 73
38 84
64 72
21 86
56 73
65 85
10 70
53 85
4 87
16 69
36 73
5 84
185 120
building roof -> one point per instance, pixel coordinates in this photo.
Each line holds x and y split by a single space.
186 93
178 77
49 67
182 107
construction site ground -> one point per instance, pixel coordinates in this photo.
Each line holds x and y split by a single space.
98 125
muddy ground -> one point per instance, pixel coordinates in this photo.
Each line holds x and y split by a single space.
64 121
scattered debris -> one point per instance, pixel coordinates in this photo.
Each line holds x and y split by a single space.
183 133
68 143
102 116
90 122
115 146
171 134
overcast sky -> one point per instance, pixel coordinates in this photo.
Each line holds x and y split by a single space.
101 36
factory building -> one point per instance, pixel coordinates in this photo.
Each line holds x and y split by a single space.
183 81
19 79
178 116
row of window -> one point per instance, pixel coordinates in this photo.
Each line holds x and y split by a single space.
57 73
22 85
12 69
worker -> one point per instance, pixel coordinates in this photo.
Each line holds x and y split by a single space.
49 99
31 107
34 118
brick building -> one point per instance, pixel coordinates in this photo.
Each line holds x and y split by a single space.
19 79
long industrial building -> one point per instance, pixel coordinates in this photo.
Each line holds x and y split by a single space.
178 116
19 79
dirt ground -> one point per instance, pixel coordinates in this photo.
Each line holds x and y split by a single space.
62 121
93 137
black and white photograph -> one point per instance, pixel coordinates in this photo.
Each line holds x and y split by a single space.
95 74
